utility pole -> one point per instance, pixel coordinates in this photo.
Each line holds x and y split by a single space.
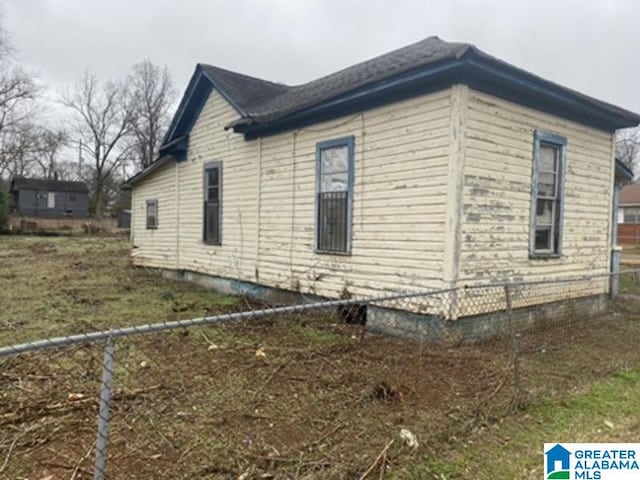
80 160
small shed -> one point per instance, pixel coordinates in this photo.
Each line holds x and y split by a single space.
49 198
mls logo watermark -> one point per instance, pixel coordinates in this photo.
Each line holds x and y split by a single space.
591 461
557 462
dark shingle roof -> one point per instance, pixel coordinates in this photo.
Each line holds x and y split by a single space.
263 102
245 91
21 183
269 101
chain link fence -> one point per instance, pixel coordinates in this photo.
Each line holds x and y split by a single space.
306 391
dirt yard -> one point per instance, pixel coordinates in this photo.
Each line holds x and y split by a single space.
299 397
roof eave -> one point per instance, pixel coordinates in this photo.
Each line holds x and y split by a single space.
200 86
364 97
138 177
470 68
614 117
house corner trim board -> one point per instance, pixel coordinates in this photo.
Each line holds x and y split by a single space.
453 220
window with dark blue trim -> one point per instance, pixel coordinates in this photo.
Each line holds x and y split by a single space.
152 214
212 208
547 194
334 195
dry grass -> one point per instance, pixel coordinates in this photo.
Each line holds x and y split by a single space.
322 402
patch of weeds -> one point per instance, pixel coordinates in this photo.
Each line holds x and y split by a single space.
314 335
226 300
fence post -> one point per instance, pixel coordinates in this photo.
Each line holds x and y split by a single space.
514 340
103 414
614 288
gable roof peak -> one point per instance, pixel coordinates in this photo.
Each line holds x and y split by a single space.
244 91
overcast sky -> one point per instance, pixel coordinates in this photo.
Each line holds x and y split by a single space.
591 46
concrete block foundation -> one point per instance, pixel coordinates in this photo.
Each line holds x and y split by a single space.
477 328
419 326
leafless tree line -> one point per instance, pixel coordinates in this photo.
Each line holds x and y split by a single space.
117 126
112 129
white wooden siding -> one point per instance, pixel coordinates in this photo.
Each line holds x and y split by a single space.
208 142
497 195
155 247
441 197
268 207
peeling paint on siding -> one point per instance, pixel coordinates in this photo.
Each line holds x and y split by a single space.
496 196
441 194
398 233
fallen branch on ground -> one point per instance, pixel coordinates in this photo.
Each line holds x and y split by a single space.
383 454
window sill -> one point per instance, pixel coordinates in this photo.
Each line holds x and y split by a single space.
329 252
545 256
152 228
213 244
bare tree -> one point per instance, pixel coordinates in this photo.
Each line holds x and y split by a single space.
103 120
628 147
16 148
47 146
29 149
152 96
18 91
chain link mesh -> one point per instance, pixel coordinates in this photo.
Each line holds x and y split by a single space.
305 391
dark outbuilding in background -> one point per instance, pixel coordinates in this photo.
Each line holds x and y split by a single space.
49 198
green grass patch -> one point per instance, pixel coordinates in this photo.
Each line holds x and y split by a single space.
630 283
607 412
314 335
53 286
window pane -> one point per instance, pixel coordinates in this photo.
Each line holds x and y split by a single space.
543 238
152 214
547 158
547 228
211 222
544 212
211 218
334 182
332 221
212 177
546 184
334 170
333 160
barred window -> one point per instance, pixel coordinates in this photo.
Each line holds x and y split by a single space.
152 214
334 195
547 194
212 224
